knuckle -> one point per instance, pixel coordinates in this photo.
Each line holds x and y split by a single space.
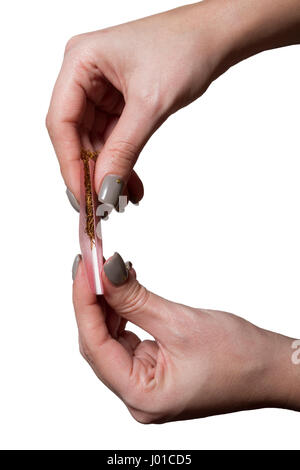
51 126
84 351
48 122
135 299
73 42
147 410
124 153
144 418
150 102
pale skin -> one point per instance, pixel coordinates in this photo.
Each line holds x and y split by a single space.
115 88
200 363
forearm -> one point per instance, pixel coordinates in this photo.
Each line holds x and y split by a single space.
242 28
258 25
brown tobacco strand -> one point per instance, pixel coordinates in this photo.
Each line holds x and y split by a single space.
87 155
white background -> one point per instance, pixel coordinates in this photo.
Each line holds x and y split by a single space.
232 161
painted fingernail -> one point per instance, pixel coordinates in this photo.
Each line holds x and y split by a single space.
103 211
115 270
73 201
75 266
111 189
122 203
128 265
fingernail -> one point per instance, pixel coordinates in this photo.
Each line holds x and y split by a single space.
73 201
122 203
134 200
128 265
75 266
111 189
103 211
115 270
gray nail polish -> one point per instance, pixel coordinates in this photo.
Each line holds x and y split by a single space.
103 211
111 189
115 270
75 266
73 201
123 201
128 265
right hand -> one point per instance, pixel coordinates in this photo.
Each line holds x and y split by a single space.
118 85
202 362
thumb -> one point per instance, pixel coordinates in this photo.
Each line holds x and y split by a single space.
121 150
130 299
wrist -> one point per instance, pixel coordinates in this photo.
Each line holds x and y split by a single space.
282 379
246 27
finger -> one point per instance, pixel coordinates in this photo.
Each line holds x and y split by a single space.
109 359
113 322
121 150
129 340
86 126
131 300
97 132
133 192
103 126
75 86
122 326
135 188
66 111
112 100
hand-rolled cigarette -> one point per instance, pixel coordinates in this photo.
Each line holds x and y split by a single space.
90 223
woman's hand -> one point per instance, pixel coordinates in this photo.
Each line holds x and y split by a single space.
118 85
201 362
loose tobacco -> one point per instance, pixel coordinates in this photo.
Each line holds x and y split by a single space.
86 156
